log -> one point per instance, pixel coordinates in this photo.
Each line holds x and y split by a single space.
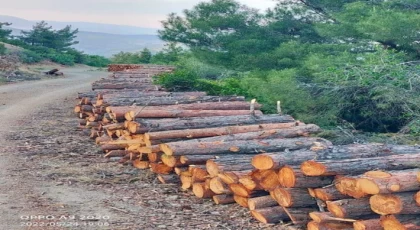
195 147
266 179
250 132
223 199
350 208
232 176
218 186
329 226
347 185
371 224
195 159
400 222
320 217
293 197
176 100
271 215
179 113
261 202
399 203
355 151
375 182
292 177
169 179
160 168
233 162
125 85
242 201
335 167
202 190
141 164
154 125
329 193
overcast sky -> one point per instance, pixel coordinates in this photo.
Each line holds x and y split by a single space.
144 13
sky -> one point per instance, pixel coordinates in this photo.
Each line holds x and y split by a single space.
143 13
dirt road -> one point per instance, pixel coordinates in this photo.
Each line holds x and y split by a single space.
53 177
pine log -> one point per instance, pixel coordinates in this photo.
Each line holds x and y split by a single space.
266 179
329 226
398 203
233 162
350 208
141 164
400 222
355 151
194 147
156 125
218 186
125 85
176 100
195 159
249 183
232 176
186 181
262 131
202 190
270 215
375 182
371 224
347 185
160 168
292 197
223 199
320 217
329 193
155 156
292 177
335 167
169 179
240 190
242 201
171 161
141 95
261 202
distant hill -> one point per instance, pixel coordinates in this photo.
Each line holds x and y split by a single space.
99 42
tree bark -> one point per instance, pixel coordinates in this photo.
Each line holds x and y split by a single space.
195 159
329 193
223 199
375 182
200 146
261 202
270 215
155 125
293 197
120 85
398 203
360 165
233 162
350 208
169 179
371 224
355 151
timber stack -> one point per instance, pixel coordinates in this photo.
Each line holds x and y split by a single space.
225 149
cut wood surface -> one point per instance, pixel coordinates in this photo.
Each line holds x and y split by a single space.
200 146
261 131
329 226
293 197
371 224
347 185
399 203
355 151
375 182
292 177
360 165
400 222
155 125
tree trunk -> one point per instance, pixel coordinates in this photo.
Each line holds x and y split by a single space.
155 125
223 199
329 193
292 177
355 151
320 217
261 202
360 165
200 146
262 131
350 208
237 162
270 215
399 203
375 182
293 197
195 159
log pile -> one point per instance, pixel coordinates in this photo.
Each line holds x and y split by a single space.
227 150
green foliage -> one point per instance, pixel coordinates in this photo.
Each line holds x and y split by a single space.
2 49
43 35
4 33
30 57
96 61
180 80
143 57
62 58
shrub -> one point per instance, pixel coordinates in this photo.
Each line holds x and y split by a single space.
180 80
29 57
2 49
96 61
64 59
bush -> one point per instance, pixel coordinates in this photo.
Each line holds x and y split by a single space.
96 61
60 58
2 49
29 57
180 80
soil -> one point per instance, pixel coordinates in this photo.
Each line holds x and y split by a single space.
53 174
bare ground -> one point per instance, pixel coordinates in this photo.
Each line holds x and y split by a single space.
49 168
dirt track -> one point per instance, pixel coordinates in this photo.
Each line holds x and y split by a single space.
48 168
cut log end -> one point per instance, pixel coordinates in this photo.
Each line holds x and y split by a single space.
391 223
373 224
385 204
368 186
262 162
166 149
240 190
242 201
336 210
287 177
417 198
283 197
313 168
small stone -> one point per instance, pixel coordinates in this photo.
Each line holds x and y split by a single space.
161 226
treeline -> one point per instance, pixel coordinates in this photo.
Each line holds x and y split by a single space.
334 63
42 42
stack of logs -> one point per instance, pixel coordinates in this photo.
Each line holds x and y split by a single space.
224 148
